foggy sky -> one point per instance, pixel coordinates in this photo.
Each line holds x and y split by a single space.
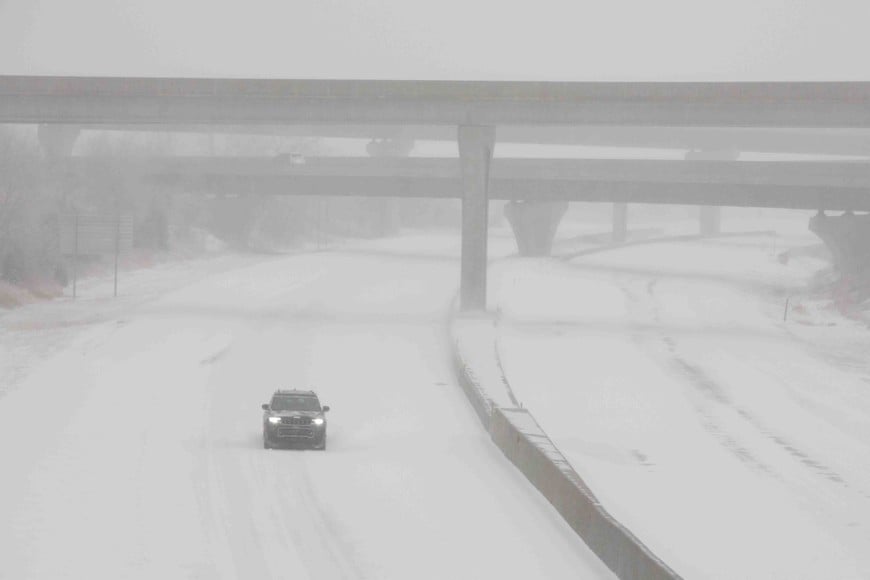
443 39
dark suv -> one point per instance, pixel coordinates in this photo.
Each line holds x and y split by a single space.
294 417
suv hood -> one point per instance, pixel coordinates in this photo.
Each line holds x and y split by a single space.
295 413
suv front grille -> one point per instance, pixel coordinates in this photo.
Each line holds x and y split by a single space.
304 432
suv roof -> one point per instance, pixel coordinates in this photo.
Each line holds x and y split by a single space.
294 392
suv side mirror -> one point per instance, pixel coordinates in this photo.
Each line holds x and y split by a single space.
265 406
325 408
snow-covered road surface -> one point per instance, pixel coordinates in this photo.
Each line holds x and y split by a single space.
132 448
733 444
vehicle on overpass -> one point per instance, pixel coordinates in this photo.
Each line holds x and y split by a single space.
294 417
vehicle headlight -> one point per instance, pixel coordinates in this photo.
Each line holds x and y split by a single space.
274 420
318 421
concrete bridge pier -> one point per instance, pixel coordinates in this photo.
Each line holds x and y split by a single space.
476 145
848 238
534 224
709 220
620 222
710 217
386 209
56 143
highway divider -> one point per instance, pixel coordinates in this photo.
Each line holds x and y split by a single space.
519 436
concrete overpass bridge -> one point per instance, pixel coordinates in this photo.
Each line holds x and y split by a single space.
86 100
834 185
474 110
809 141
532 185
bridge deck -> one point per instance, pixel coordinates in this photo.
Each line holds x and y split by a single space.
87 100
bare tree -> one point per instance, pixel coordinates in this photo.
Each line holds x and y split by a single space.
21 197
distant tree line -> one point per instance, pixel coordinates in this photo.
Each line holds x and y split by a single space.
35 196
28 213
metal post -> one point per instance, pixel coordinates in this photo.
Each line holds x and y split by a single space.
117 247
320 234
76 254
476 144
326 205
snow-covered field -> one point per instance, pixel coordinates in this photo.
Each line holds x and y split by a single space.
130 430
734 444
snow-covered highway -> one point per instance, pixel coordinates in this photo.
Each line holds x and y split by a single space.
735 445
131 441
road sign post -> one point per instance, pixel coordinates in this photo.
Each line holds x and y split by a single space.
117 248
76 254
93 234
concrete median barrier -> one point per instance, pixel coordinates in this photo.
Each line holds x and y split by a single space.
516 432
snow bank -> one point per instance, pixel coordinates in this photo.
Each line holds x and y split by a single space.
482 377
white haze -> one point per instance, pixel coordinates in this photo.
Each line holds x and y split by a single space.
707 389
448 39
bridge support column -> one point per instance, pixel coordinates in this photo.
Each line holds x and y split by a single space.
709 220
476 144
620 222
386 209
57 141
848 238
535 224
710 217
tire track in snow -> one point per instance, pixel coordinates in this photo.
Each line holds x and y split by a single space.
287 531
696 377
327 555
716 394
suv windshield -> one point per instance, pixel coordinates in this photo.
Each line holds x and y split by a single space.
295 403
